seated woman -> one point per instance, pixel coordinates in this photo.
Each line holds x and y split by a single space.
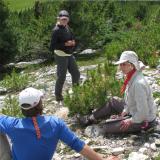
137 110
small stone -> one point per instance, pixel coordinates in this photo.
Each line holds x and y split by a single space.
153 147
76 155
130 141
157 142
143 150
157 101
133 137
117 151
88 51
147 145
157 135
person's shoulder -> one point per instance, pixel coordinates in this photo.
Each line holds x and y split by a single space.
9 119
53 119
56 28
141 81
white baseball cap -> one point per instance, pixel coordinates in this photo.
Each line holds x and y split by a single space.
30 96
129 56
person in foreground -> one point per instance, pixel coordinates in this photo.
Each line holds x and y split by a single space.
63 44
35 137
136 111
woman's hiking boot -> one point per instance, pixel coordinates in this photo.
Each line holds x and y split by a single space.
86 120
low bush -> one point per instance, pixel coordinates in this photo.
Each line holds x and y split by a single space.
94 92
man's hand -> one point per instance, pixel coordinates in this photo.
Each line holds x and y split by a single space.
125 124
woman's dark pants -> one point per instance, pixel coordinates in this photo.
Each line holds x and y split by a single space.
64 64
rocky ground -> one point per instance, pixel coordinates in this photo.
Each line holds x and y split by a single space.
144 146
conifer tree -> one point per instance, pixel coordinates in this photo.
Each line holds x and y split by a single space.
7 39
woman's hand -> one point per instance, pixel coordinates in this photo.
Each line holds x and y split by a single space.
70 43
125 124
114 116
118 116
123 114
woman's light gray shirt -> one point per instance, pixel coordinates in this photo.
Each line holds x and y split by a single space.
139 100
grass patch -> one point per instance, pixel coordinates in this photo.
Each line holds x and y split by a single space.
91 60
15 81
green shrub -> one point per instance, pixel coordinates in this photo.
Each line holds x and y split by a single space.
11 107
113 50
15 81
94 92
143 42
156 94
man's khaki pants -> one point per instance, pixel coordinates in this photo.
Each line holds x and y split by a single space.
5 152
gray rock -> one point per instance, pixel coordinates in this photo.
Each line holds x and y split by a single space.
87 51
93 131
157 142
157 135
153 147
147 145
157 101
143 150
26 64
137 156
117 151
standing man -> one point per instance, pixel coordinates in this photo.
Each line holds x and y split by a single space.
63 44
35 137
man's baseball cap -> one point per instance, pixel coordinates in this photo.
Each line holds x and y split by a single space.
30 96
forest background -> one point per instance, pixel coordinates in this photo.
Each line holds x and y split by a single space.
113 26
